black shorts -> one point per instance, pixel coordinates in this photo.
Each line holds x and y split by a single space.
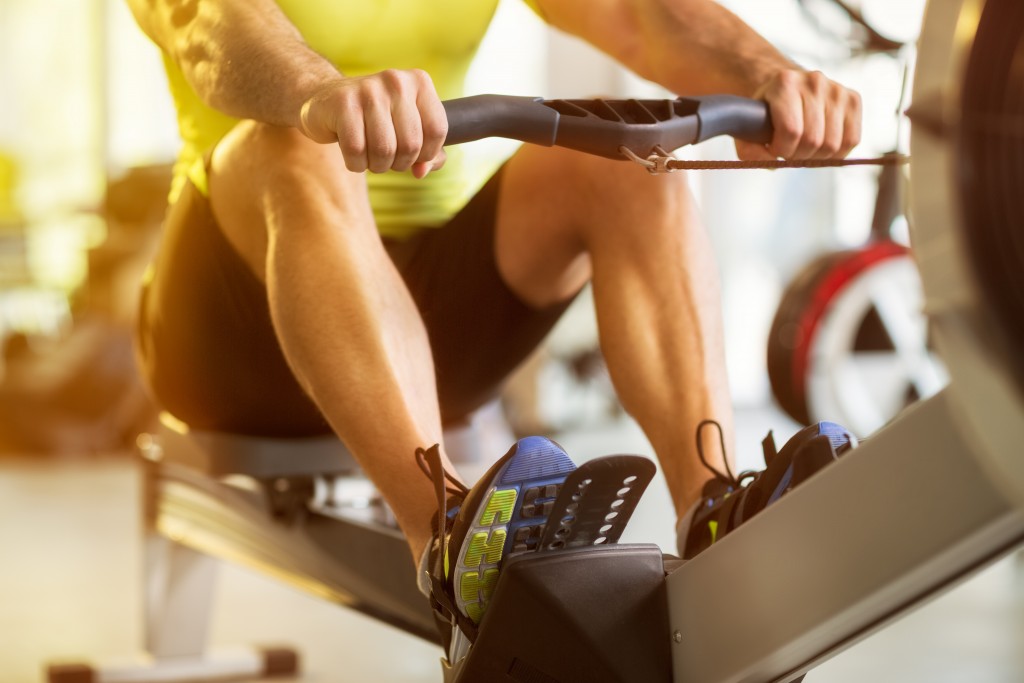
211 358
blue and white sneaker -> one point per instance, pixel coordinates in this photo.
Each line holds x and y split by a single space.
729 500
505 512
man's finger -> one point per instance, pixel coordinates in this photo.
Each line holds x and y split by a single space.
852 124
421 168
813 136
380 133
408 133
433 119
788 120
752 151
351 134
835 123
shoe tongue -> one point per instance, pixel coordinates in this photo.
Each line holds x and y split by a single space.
837 435
453 509
768 448
453 506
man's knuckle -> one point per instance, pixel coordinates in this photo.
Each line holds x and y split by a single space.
813 141
352 150
854 100
403 82
836 95
407 146
788 128
788 78
354 155
421 76
832 144
851 139
350 137
435 129
371 93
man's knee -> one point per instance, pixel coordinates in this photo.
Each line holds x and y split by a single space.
268 179
267 154
622 199
258 167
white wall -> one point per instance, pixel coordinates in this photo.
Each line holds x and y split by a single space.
52 126
50 117
142 128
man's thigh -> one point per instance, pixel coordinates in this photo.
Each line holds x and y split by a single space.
561 211
212 358
206 341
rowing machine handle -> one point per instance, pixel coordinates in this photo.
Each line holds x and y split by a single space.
603 127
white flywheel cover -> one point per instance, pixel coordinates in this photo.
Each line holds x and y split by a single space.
983 360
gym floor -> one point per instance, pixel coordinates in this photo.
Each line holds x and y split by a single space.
70 587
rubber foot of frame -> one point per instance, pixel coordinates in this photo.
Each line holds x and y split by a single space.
279 662
70 673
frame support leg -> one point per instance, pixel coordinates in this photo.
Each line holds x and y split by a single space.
179 585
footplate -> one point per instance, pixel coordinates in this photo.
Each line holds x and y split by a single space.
596 502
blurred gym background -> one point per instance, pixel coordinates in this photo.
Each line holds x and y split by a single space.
87 133
87 136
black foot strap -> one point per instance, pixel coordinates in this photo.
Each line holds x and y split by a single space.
596 502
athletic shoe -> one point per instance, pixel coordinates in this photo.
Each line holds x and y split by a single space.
505 512
728 501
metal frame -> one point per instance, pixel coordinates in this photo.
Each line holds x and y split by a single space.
208 497
178 590
312 551
904 516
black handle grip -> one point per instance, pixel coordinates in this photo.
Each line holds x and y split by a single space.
742 118
604 127
500 116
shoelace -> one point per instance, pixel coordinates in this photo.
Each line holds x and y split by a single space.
452 485
429 461
746 477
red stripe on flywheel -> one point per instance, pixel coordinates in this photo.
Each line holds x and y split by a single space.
834 283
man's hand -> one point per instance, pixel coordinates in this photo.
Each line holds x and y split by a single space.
814 118
389 120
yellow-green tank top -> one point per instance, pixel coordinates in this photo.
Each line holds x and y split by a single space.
363 37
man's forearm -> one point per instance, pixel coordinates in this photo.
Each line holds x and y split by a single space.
699 47
691 47
242 57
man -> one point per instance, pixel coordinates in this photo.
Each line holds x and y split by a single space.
295 293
